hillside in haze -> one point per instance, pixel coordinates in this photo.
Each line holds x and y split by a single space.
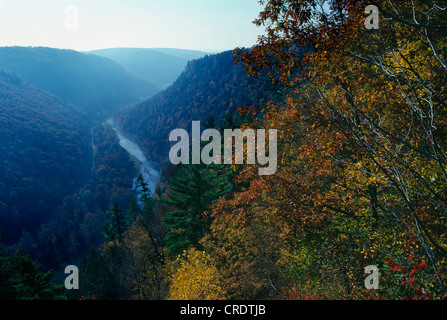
349 123
45 153
62 169
96 84
160 66
208 87
51 102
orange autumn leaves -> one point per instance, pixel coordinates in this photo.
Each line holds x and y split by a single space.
363 134
361 176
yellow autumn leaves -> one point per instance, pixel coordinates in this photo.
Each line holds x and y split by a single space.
194 277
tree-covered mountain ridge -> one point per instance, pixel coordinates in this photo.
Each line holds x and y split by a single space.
98 85
208 87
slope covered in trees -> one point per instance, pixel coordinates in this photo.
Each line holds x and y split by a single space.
96 84
76 223
45 153
208 87
22 279
361 177
47 140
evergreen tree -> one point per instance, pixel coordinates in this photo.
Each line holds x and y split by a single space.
229 121
191 193
133 210
210 123
101 275
142 187
116 226
158 192
21 278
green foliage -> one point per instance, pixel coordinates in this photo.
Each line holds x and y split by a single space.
208 87
21 278
131 266
191 192
44 154
116 226
76 224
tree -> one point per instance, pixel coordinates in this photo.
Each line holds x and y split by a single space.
133 210
194 278
368 146
142 187
145 250
116 226
191 191
21 278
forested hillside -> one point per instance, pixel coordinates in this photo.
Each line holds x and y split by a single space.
98 85
76 224
208 87
356 210
45 153
361 179
32 267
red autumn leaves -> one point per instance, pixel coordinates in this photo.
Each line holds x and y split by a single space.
409 274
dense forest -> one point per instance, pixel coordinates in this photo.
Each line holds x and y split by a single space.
208 88
45 153
32 268
76 224
361 178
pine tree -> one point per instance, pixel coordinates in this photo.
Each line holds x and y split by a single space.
116 226
133 210
210 123
21 278
191 193
158 192
229 121
143 188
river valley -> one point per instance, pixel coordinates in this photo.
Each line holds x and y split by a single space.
150 175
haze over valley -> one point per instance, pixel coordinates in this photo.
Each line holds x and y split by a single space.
223 150
69 117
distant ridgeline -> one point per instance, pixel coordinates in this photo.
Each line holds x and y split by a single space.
98 85
209 86
159 66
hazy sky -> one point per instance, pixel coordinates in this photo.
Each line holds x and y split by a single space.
213 25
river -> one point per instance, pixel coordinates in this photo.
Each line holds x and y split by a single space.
150 175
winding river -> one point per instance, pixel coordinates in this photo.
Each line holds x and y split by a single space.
150 175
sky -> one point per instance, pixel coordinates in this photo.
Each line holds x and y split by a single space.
83 25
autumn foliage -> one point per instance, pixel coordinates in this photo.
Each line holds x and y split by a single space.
362 175
194 278
362 162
